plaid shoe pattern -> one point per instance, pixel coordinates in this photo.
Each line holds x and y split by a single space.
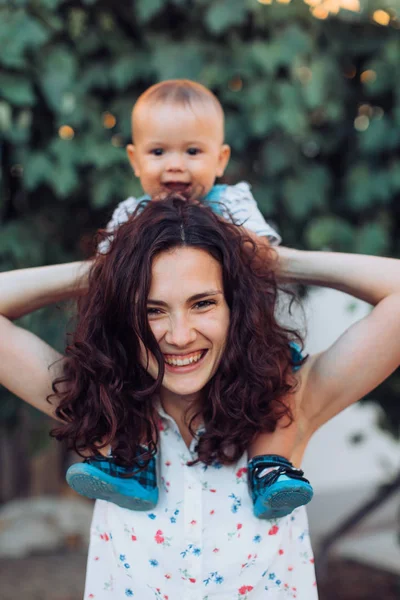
144 474
256 465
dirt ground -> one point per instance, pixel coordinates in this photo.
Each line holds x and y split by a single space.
61 577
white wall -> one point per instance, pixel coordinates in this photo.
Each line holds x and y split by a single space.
344 474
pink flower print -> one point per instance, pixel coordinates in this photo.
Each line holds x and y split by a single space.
239 526
212 512
193 522
274 530
216 550
133 538
290 568
244 589
167 575
91 596
167 463
241 474
213 491
105 537
192 580
281 551
159 537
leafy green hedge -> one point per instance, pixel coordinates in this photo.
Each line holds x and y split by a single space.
313 116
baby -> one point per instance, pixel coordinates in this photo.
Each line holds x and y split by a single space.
178 145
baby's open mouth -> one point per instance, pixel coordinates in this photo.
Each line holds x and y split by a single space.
184 360
176 186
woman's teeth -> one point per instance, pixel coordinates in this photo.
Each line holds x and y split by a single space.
183 361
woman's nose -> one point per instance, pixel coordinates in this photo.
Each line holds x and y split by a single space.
180 332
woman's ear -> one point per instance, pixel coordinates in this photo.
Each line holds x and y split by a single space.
223 159
131 152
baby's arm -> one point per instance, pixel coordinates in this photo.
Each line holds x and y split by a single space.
242 208
120 215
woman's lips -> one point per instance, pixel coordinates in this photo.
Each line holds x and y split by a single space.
185 368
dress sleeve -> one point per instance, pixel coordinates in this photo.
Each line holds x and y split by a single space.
120 215
242 208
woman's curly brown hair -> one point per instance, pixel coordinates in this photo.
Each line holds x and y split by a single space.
107 396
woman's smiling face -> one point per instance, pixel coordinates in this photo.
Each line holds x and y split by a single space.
189 317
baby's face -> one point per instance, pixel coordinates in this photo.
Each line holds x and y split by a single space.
178 148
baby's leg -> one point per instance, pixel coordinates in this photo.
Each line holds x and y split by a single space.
282 442
277 486
100 478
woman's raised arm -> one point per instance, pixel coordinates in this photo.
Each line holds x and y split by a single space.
369 351
28 365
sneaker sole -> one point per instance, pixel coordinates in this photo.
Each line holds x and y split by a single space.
282 502
92 486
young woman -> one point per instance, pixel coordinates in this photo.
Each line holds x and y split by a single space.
179 282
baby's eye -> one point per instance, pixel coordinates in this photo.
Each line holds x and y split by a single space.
193 151
157 151
204 303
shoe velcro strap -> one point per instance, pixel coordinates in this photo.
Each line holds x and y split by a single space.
271 477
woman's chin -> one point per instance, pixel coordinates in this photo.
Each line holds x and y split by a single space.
189 387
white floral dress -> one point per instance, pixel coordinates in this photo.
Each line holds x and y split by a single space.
201 542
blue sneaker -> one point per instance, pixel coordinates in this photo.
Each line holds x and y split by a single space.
102 479
282 489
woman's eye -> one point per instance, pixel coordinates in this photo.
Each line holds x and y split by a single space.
153 311
204 303
157 152
193 151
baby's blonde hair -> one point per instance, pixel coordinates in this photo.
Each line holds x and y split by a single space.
182 92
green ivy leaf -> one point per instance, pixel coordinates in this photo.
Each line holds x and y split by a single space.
372 238
17 89
223 14
306 192
57 76
146 10
19 32
329 233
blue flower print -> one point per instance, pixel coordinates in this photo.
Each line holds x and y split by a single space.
215 577
278 582
271 576
236 504
153 562
152 516
257 539
128 592
191 549
127 565
172 519
122 557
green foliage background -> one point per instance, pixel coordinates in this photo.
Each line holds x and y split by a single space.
291 86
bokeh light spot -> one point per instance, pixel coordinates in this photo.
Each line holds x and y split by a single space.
381 17
368 76
66 132
109 120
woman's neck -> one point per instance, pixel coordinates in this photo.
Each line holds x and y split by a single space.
182 409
